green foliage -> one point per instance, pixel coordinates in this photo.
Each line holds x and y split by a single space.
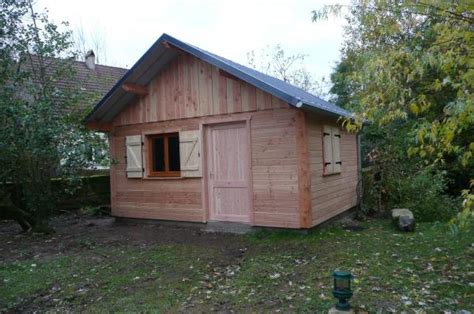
407 69
42 135
466 216
341 88
82 191
399 185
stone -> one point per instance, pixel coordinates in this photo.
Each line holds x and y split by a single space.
404 219
333 310
406 223
397 212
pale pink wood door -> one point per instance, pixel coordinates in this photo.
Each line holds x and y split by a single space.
228 172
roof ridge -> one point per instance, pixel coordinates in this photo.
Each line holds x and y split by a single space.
97 64
107 66
76 61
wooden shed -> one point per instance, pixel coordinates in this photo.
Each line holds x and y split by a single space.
196 137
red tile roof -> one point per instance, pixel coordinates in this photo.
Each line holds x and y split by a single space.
94 83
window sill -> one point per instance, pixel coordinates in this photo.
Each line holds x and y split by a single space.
331 174
163 178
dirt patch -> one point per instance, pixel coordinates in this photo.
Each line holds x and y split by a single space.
76 233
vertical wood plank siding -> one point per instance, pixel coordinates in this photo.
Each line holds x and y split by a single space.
332 194
188 88
186 94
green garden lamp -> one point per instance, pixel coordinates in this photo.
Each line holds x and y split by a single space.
342 289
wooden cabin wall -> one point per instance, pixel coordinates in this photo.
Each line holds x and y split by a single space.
274 166
332 194
148 198
189 87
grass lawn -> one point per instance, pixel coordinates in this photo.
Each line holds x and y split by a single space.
96 265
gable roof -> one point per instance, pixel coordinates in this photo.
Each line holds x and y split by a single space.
93 83
99 80
158 55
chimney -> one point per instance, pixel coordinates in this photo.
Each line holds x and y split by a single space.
90 59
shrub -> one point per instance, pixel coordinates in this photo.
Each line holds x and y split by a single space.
424 194
85 191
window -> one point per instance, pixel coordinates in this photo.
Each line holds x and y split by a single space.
331 150
166 155
163 155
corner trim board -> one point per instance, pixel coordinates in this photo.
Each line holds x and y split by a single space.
304 176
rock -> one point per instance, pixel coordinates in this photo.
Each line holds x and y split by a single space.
403 219
406 223
333 310
397 212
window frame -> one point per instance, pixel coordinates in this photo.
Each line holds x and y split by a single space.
150 154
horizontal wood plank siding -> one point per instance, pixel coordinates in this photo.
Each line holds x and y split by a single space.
275 168
332 194
274 172
188 87
169 199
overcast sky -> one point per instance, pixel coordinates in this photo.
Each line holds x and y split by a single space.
227 28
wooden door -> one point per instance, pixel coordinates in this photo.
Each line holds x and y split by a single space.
228 172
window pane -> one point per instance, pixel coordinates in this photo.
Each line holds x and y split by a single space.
173 151
158 154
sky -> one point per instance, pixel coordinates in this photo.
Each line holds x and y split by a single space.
227 28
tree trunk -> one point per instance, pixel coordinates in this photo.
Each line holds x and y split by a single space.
28 223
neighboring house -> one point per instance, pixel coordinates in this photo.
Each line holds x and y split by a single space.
96 79
91 79
83 79
199 138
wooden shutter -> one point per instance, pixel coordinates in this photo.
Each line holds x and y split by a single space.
190 153
327 150
134 156
336 149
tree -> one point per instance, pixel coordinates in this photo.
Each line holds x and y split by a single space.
408 69
83 43
289 68
341 89
42 136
